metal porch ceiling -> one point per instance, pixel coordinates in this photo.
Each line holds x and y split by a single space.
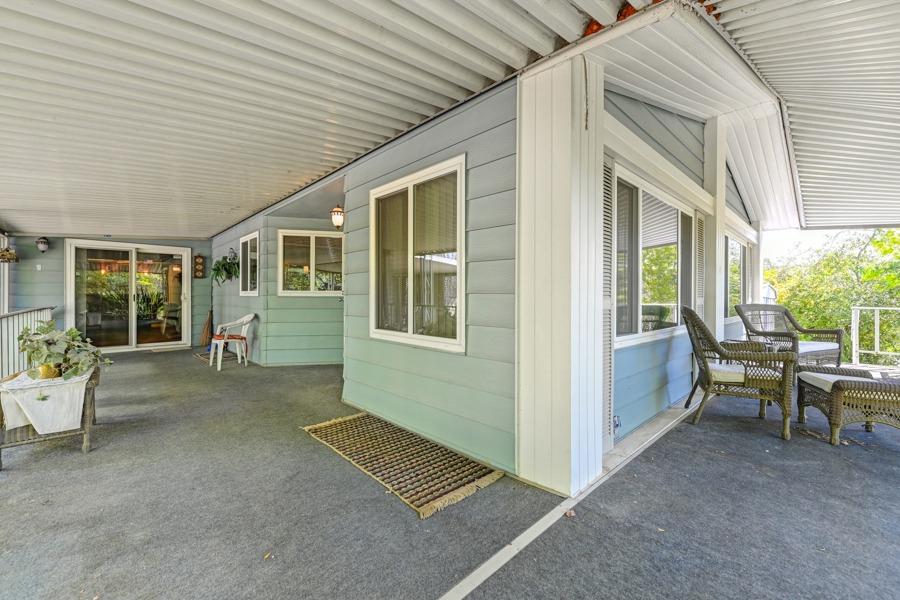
178 118
836 64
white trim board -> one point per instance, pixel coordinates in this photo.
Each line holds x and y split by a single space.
624 452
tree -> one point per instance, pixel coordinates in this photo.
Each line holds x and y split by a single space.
853 269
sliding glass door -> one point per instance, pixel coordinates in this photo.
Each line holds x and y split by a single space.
123 296
158 297
102 292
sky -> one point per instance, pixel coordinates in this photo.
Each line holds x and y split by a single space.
786 243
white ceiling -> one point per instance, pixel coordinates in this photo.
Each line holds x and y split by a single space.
836 64
178 118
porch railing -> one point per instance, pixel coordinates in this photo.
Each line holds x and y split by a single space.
876 334
11 325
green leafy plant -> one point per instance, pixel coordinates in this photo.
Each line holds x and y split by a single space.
67 351
226 268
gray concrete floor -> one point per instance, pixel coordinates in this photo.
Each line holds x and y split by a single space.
195 476
726 509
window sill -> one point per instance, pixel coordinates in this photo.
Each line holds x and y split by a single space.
302 294
253 293
419 341
637 339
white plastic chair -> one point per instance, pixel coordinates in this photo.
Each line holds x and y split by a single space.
222 337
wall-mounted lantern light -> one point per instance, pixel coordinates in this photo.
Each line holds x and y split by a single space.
337 216
43 244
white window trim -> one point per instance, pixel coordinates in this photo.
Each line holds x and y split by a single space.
642 185
312 235
456 164
247 238
749 248
4 279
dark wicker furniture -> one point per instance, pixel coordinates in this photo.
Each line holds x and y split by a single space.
848 396
744 369
27 434
775 326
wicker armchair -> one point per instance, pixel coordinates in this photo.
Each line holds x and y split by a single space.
27 434
775 326
848 396
744 369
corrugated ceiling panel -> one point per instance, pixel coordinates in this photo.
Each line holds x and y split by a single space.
836 63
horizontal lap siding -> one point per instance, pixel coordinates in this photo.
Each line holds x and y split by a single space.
299 330
649 378
463 401
228 304
733 196
31 288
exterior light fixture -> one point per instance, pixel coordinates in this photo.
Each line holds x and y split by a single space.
43 244
306 269
337 217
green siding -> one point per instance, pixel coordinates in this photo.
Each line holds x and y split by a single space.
649 378
321 339
465 401
228 304
32 288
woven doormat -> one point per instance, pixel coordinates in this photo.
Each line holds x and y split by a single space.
426 476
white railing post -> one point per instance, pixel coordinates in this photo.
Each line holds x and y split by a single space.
854 334
877 331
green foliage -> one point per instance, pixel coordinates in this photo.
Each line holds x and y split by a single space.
855 269
660 275
226 268
66 350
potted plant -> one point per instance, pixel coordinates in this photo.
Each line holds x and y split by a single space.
58 353
226 268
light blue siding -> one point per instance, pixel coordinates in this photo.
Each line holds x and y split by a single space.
463 401
228 304
733 196
649 378
676 137
298 330
31 287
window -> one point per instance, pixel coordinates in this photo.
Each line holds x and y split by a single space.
310 263
736 281
653 266
250 264
417 263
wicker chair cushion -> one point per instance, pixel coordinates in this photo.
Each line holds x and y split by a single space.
732 373
817 347
824 381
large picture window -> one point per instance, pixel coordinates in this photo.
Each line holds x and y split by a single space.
736 276
310 263
652 237
417 234
249 266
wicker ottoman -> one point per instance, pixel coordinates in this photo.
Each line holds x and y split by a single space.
847 396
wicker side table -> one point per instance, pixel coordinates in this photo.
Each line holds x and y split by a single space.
848 396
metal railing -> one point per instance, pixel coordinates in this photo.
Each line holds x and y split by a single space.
876 320
11 325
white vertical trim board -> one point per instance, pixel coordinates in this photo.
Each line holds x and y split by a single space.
559 276
714 177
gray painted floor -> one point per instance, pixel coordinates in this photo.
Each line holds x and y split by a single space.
727 509
195 476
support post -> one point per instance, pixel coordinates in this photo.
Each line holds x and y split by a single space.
714 177
559 438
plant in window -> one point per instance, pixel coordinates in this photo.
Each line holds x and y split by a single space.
226 268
